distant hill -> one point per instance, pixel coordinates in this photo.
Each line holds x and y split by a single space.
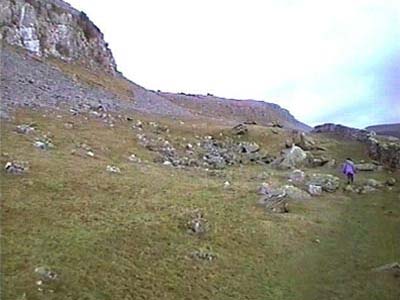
386 129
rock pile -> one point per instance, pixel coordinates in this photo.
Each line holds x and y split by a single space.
16 167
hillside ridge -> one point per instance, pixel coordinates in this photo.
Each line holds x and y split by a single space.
56 34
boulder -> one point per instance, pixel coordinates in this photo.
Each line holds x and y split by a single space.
16 168
331 163
133 158
203 255
113 169
240 129
327 182
367 189
314 190
350 189
197 224
365 167
393 268
391 182
25 129
374 183
297 176
295 193
317 161
275 194
246 147
293 158
303 141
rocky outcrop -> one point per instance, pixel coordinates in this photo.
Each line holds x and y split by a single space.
386 150
343 131
52 28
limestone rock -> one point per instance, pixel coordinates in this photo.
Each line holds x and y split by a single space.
295 193
327 182
391 182
293 158
240 129
314 190
25 129
16 168
54 29
365 167
113 169
374 183
297 176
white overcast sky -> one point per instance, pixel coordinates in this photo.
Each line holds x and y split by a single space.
326 61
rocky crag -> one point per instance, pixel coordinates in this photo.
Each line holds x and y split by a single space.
55 29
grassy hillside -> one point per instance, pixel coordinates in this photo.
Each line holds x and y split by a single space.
124 236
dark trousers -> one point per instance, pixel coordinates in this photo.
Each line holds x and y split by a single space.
350 178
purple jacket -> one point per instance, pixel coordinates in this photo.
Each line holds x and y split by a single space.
349 168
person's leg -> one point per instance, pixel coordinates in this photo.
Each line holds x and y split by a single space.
352 178
348 178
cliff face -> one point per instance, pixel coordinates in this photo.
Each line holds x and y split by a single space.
52 28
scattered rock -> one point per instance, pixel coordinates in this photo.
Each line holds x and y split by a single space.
374 183
331 163
315 190
69 125
295 193
203 255
264 189
350 189
41 145
302 140
240 129
227 184
113 169
393 268
249 147
367 189
276 199
365 167
297 176
327 182
46 275
25 129
16 168
315 162
281 208
391 182
133 158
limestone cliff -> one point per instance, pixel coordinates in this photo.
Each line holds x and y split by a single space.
52 28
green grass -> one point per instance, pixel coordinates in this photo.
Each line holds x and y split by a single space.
123 236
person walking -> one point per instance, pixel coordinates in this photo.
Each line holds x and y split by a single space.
349 170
